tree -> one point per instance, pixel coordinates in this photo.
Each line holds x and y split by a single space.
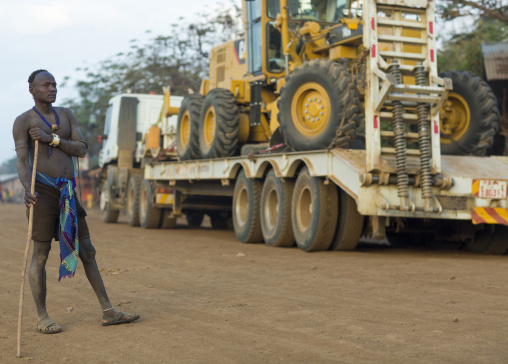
493 9
462 51
9 166
179 60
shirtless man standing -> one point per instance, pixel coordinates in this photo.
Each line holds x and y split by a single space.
60 139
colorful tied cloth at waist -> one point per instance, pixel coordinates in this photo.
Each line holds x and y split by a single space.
68 227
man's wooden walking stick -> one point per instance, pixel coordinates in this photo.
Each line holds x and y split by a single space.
28 239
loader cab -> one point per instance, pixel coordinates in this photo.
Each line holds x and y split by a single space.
265 53
322 11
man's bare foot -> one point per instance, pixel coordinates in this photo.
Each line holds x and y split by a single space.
46 326
114 317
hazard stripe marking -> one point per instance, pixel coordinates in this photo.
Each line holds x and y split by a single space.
476 187
161 198
489 215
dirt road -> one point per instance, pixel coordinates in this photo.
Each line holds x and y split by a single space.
205 298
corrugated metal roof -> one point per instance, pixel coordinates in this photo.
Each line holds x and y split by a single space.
495 58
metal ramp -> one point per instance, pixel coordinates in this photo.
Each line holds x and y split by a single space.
403 96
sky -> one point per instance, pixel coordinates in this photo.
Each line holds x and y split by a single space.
62 35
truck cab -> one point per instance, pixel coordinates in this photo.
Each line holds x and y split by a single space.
128 118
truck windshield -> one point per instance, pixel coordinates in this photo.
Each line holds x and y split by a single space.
329 11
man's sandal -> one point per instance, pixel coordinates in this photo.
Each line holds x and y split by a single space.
117 319
48 327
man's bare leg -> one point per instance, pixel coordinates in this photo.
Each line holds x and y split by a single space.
87 256
37 278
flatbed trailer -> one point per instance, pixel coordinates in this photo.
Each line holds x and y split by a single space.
461 191
398 184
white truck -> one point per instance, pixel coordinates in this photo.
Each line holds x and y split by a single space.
129 127
396 185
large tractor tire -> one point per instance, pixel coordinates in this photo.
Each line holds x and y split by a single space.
109 213
469 118
149 215
276 211
312 104
246 212
187 127
349 224
218 124
132 203
313 212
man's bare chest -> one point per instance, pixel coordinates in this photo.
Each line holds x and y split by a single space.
64 129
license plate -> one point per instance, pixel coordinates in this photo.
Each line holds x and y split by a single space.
491 189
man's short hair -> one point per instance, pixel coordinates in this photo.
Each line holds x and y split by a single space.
31 78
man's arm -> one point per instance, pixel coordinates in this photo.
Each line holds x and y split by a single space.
22 144
75 147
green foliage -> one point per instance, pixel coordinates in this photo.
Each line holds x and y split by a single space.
179 60
9 166
463 50
493 9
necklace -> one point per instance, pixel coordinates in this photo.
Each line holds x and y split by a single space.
57 119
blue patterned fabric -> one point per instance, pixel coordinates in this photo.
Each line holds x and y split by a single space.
68 229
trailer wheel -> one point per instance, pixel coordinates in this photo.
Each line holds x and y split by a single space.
492 240
470 117
109 214
168 220
194 219
312 104
349 224
246 219
187 127
276 211
149 215
132 210
313 212
218 124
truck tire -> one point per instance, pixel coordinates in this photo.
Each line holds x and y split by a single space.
492 240
349 224
194 219
132 203
312 104
276 211
470 118
109 214
218 124
246 219
313 212
149 215
187 127
168 220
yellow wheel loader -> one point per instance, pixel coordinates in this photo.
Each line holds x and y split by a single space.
297 77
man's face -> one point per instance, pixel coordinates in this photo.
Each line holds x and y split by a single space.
44 87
